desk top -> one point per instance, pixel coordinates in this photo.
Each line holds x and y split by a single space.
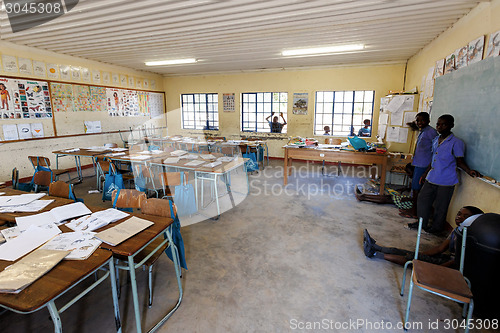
11 217
52 284
82 152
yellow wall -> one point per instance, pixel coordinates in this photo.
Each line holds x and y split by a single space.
380 78
15 154
482 20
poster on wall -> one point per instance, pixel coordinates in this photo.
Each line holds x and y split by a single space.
115 102
37 130
39 68
81 98
9 64
143 103
24 99
156 104
25 66
53 71
131 103
300 101
62 97
494 45
228 102
98 98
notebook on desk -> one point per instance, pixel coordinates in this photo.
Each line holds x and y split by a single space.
123 231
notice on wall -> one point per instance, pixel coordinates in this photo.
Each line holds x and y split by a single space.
228 102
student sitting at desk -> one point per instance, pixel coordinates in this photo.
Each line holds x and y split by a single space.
421 158
276 126
366 130
437 255
441 176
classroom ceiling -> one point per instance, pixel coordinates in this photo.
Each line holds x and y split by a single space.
240 35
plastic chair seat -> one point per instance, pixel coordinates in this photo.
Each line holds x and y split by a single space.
443 280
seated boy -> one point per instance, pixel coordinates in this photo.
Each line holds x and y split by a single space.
437 255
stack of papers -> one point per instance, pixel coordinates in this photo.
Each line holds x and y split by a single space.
190 156
178 153
96 220
171 160
18 276
207 156
212 165
10 233
156 152
17 200
55 215
145 152
80 244
123 231
33 206
26 242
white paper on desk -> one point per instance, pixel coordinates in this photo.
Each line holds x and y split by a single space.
24 131
10 132
86 223
403 135
116 154
26 242
156 152
71 150
37 130
139 157
56 215
33 206
171 160
408 118
145 152
392 134
397 118
178 153
110 215
17 200
395 103
118 149
2 238
10 233
189 156
18 276
2 193
207 156
381 131
212 165
194 163
121 232
81 244
383 118
225 159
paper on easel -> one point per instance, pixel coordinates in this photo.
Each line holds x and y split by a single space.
397 118
18 276
26 242
123 231
381 131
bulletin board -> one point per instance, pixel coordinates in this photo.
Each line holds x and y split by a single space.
40 109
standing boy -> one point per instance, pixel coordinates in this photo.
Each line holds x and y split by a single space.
441 176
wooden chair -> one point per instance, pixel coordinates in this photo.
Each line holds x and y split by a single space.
128 198
439 280
62 190
45 162
169 180
42 178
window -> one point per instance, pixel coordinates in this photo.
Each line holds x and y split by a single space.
200 111
257 107
343 111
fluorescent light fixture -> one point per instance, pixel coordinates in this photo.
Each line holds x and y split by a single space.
324 50
170 62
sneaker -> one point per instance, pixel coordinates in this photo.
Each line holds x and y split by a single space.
368 249
367 237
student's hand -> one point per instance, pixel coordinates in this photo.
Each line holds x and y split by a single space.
474 173
422 179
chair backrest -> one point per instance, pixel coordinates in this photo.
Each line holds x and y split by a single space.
128 198
104 166
42 178
60 189
15 178
227 150
172 179
39 160
157 207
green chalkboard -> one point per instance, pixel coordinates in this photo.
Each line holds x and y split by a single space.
472 96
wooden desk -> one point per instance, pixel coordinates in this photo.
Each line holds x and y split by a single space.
78 154
11 217
133 246
311 154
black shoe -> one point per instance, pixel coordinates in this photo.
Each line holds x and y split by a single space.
367 237
412 226
368 243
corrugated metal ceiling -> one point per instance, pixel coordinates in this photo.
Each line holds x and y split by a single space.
233 36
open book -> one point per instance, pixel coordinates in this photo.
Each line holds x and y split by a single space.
96 220
81 244
123 231
55 215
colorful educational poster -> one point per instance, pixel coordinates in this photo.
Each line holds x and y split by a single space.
24 99
10 64
96 76
114 99
131 103
25 66
228 102
98 98
300 103
81 98
461 57
143 102
439 68
53 71
475 52
155 104
62 97
39 68
449 64
65 72
494 45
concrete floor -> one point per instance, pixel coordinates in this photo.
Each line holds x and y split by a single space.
284 259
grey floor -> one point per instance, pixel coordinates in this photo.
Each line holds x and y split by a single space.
284 259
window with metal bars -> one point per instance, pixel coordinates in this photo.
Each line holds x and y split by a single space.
200 111
343 111
258 111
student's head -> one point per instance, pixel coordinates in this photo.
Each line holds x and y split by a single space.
466 212
422 119
366 122
445 123
275 119
327 129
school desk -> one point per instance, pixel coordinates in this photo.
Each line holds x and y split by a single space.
77 155
133 246
328 155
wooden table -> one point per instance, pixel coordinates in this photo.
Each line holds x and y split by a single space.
78 154
11 217
328 155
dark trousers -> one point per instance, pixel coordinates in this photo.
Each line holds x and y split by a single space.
437 259
440 197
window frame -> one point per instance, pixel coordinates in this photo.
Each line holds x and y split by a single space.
332 112
246 115
212 116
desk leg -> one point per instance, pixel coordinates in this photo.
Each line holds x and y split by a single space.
114 294
383 168
285 167
216 196
54 314
197 202
135 295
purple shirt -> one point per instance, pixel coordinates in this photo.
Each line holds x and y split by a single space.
423 150
444 160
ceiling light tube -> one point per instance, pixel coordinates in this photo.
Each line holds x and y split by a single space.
324 50
170 62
